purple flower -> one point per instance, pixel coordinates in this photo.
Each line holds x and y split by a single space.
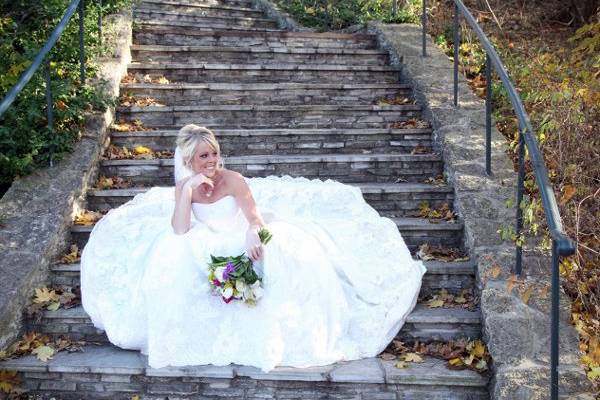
229 268
216 282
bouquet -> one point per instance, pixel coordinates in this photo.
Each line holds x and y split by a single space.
234 278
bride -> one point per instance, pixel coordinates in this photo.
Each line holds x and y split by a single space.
338 279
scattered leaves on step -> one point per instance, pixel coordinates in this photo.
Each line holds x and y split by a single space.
394 101
73 255
53 298
144 78
444 212
114 182
421 150
427 252
130 126
9 380
135 397
460 354
412 123
463 299
41 346
138 153
127 100
437 181
86 217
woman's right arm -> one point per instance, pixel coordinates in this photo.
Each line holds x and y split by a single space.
180 221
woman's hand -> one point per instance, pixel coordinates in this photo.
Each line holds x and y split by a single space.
206 184
254 247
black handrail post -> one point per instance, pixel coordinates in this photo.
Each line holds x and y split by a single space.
81 42
50 107
520 192
488 115
456 48
100 22
555 321
424 23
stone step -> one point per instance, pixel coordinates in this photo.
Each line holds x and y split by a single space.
165 34
270 116
348 168
424 324
268 73
200 9
106 371
452 276
216 21
390 200
197 3
264 55
236 142
189 94
415 231
210 26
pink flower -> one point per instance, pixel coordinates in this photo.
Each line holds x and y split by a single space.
227 300
216 282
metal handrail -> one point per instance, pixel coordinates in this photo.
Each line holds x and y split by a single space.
562 245
43 53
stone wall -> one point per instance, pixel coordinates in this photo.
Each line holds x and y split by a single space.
517 332
39 207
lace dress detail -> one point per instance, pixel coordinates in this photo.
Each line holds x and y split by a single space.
339 280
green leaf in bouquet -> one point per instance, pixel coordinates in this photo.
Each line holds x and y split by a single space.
265 235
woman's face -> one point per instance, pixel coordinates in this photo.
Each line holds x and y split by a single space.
205 160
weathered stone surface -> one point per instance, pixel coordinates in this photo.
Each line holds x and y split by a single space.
517 333
39 207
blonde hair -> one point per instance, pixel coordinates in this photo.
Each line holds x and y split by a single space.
188 139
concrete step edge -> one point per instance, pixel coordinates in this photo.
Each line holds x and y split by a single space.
264 86
109 359
269 108
254 67
139 10
275 50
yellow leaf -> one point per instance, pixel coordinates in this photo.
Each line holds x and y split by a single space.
478 349
43 353
460 300
43 295
469 360
53 306
136 397
435 303
8 381
594 373
142 150
455 362
163 81
413 357
401 364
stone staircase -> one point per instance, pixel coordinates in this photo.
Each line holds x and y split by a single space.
281 102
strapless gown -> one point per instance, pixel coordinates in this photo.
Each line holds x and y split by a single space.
338 279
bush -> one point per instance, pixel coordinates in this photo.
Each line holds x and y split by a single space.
26 142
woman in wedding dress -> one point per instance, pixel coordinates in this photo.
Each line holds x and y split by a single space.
338 279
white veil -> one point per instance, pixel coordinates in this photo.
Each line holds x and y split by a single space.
181 171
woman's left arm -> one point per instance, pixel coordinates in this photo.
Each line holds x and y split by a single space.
243 195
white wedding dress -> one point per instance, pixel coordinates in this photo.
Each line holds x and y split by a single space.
338 279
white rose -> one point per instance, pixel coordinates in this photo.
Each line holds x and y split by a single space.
227 293
240 286
219 273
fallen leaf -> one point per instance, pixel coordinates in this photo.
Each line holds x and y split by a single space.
8 381
401 364
53 306
43 353
388 356
526 295
435 303
568 193
413 357
43 295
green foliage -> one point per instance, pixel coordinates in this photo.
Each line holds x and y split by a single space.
26 142
338 14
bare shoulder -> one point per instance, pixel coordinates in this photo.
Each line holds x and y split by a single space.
234 181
